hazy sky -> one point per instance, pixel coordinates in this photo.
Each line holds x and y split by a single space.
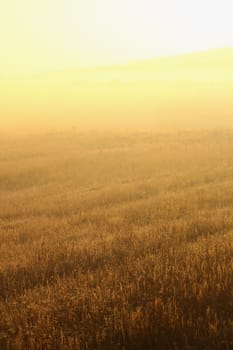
37 35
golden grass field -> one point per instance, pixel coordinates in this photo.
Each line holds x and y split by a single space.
117 241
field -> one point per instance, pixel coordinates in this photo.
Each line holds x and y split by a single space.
117 241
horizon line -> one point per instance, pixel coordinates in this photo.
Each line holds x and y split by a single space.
112 65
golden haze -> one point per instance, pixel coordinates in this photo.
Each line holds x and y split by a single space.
193 90
43 35
114 238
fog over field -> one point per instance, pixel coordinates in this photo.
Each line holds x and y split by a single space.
116 175
117 240
186 91
116 206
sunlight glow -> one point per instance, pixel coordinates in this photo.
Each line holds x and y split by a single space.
64 34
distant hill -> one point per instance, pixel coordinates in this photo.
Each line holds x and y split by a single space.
186 90
212 64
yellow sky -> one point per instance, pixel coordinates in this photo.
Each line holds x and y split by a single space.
40 35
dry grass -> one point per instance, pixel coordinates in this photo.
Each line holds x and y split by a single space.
117 241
